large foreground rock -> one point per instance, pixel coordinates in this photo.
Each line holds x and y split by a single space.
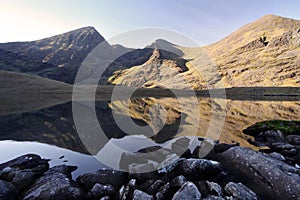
56 183
22 171
268 177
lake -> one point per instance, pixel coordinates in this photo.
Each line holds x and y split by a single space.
50 131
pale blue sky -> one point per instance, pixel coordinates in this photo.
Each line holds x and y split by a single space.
204 21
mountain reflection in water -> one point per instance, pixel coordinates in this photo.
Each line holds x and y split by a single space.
54 125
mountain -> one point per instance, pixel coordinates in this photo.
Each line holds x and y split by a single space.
57 57
262 53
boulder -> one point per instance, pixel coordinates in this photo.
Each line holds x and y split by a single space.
56 183
188 191
140 195
197 169
214 188
240 191
99 191
103 176
268 177
293 139
22 171
7 191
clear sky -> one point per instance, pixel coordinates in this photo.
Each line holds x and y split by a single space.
204 21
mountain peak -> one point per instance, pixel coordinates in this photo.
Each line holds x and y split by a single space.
267 27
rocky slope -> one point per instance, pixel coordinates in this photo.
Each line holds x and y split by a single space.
57 57
262 53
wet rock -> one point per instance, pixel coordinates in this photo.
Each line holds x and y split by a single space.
197 169
100 190
140 195
284 149
178 181
56 183
293 139
103 176
269 178
154 187
7 191
188 191
23 170
240 191
214 188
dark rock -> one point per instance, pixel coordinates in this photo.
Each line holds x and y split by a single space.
146 184
124 193
164 192
106 198
181 147
100 190
214 188
219 148
7 191
197 169
201 185
188 191
212 197
277 156
140 195
154 187
178 181
103 176
284 149
240 191
270 137
56 183
142 171
269 178
293 139
23 170
132 184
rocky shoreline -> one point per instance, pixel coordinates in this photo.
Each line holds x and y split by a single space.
227 172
